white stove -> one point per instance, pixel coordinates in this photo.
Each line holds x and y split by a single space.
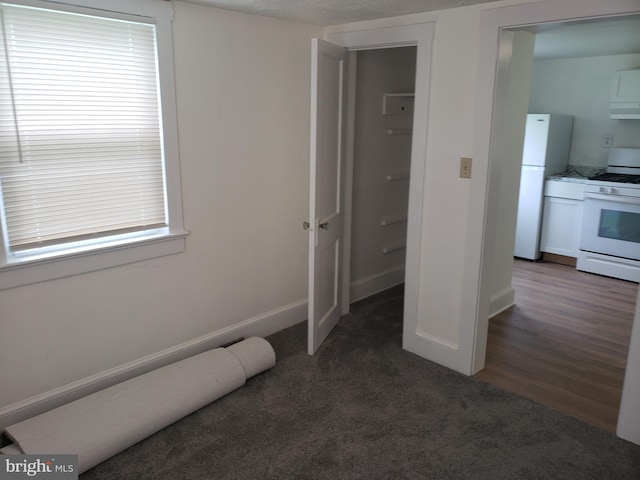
610 236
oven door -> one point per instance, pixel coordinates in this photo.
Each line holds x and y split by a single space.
611 225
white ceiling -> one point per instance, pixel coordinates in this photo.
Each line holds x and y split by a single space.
334 12
559 40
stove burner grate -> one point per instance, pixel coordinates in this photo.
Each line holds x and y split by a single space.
617 177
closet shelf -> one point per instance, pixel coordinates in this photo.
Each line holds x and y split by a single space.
394 247
393 219
397 103
399 131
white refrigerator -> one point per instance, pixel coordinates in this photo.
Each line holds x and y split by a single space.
545 152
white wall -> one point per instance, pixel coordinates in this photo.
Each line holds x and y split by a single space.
629 419
243 114
445 206
517 85
446 202
582 87
376 155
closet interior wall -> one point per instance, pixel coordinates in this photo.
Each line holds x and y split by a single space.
382 159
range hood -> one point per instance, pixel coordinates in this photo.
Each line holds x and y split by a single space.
624 110
625 95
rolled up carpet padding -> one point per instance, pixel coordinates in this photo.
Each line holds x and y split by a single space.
102 424
10 450
254 355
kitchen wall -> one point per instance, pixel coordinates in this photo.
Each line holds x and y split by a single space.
243 115
378 154
581 87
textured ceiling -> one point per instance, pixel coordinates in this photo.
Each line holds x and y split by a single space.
334 12
555 40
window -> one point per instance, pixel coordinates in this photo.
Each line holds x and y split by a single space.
88 161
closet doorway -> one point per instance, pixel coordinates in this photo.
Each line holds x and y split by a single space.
383 120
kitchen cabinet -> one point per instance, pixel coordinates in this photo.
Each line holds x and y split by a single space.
562 217
625 95
626 86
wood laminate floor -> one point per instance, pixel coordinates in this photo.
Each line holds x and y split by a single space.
564 344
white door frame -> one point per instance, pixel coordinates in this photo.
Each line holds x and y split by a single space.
419 35
482 207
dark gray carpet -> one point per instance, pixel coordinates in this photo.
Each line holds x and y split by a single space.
363 408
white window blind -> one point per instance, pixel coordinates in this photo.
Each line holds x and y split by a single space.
80 127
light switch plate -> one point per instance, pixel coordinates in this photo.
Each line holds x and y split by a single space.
465 167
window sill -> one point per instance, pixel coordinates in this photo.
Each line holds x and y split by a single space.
49 267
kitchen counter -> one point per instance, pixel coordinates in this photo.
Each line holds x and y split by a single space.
564 187
571 178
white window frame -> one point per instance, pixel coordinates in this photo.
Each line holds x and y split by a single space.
41 265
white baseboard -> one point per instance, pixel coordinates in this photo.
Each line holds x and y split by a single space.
375 283
261 325
501 301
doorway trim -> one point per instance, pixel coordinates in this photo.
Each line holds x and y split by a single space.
489 98
419 35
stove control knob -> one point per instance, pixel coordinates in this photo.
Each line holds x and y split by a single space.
613 191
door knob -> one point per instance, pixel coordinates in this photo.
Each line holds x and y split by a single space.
305 225
324 226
